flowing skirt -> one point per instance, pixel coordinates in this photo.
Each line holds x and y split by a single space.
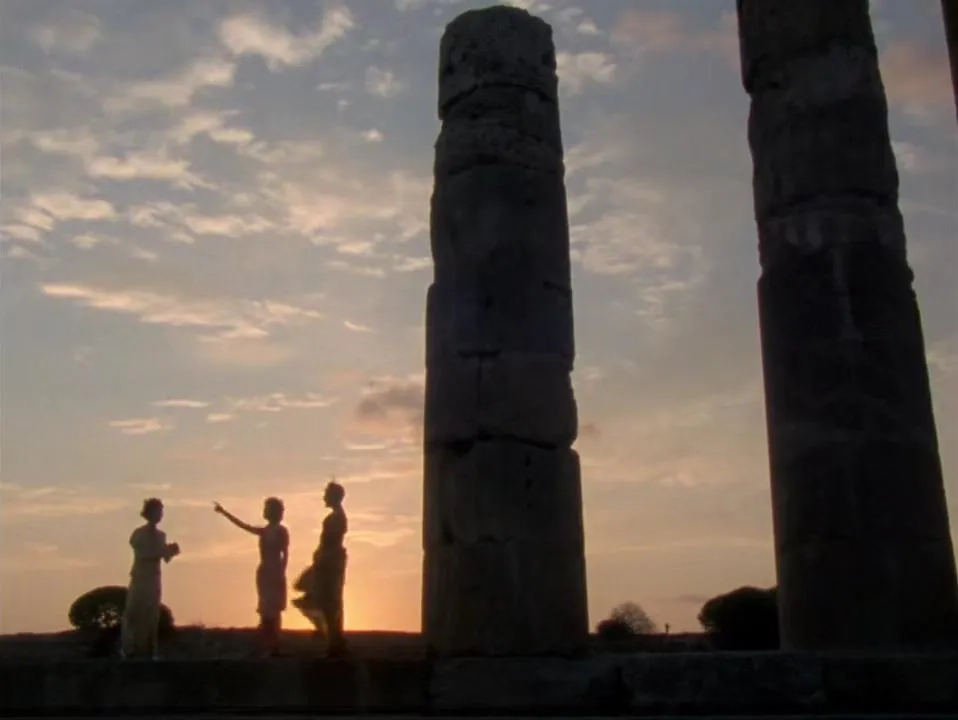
322 587
141 615
270 591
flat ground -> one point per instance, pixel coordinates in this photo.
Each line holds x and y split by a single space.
210 643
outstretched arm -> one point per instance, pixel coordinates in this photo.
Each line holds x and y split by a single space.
236 521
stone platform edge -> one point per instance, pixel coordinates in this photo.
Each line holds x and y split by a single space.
649 684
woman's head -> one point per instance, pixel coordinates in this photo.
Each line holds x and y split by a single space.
152 510
273 510
334 495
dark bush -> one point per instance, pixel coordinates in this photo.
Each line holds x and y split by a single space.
610 629
97 615
625 621
743 619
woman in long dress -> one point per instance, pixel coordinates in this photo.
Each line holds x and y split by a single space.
322 582
141 615
271 572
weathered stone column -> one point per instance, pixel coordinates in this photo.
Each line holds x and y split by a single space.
949 14
863 550
504 565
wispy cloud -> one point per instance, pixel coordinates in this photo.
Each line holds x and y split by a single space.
55 502
356 327
278 402
575 70
146 165
176 90
39 557
228 318
916 75
382 82
391 406
140 426
253 34
68 31
647 31
181 403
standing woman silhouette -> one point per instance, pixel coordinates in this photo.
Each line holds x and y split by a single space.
322 582
271 572
139 625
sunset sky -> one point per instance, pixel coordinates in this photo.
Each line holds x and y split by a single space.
215 257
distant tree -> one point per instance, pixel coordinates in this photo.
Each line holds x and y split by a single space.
743 619
97 615
625 621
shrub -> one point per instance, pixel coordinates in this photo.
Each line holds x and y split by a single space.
97 615
625 621
743 619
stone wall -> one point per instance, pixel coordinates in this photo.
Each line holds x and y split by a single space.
647 685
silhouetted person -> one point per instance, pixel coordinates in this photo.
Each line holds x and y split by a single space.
271 573
141 615
322 583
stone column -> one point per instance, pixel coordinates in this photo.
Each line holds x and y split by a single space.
504 566
949 13
863 550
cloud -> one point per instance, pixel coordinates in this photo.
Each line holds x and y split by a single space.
226 225
588 27
219 417
372 136
380 538
942 358
359 247
54 502
177 90
66 206
652 30
412 264
39 557
391 405
330 204
42 211
916 75
181 403
356 327
25 233
68 31
634 234
588 431
88 241
382 82
408 5
239 319
243 352
145 165
277 402
150 487
139 426
577 69
252 34
75 142
662 32
212 125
